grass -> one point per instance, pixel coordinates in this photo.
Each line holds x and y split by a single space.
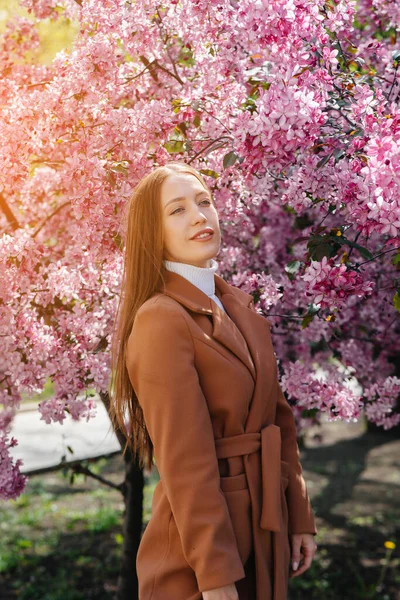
354 483
63 542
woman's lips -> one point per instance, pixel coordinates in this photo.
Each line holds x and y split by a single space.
203 238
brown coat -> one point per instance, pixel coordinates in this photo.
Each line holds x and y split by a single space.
225 445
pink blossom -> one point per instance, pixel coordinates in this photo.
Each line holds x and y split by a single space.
331 285
330 56
316 148
12 482
52 410
330 395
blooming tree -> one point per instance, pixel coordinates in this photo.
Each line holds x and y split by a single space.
290 109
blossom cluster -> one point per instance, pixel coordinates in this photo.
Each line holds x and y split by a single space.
12 482
329 285
291 111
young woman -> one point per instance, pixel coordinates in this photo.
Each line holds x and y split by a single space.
197 375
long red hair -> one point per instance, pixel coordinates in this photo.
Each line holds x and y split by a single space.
142 277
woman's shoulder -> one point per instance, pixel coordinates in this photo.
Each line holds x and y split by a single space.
159 332
160 316
160 304
230 288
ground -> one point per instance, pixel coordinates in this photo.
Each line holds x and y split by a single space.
63 542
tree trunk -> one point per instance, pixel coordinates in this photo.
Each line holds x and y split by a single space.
127 586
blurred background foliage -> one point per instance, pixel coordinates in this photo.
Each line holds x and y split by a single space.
54 35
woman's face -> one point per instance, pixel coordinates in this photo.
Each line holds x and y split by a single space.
187 209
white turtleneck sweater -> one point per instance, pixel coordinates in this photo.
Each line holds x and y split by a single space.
202 277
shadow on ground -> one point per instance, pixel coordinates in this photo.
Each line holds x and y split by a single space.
62 542
354 483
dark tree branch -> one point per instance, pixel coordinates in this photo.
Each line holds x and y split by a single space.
150 66
11 218
377 255
79 468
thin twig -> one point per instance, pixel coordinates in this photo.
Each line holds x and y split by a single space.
55 211
85 471
393 82
128 79
377 255
223 137
165 41
214 117
355 241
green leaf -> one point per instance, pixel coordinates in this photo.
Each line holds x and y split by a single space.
396 259
197 121
316 239
182 127
323 250
210 173
324 160
120 167
291 269
338 154
364 252
186 58
230 159
396 301
306 321
174 146
309 413
293 266
396 55
24 543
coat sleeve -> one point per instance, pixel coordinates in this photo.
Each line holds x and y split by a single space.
161 368
301 517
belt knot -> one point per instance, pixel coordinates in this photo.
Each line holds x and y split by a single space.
268 440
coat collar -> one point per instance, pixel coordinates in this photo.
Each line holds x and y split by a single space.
242 331
226 329
188 294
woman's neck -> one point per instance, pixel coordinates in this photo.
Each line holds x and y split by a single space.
202 277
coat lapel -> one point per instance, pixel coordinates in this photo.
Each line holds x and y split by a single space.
225 327
256 330
242 331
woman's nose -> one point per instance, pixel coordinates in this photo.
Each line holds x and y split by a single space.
198 214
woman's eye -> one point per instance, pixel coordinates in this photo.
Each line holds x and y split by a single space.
201 201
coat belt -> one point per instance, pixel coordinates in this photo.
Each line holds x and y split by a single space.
268 440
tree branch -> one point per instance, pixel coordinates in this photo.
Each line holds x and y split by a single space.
11 218
55 211
377 255
222 137
85 471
